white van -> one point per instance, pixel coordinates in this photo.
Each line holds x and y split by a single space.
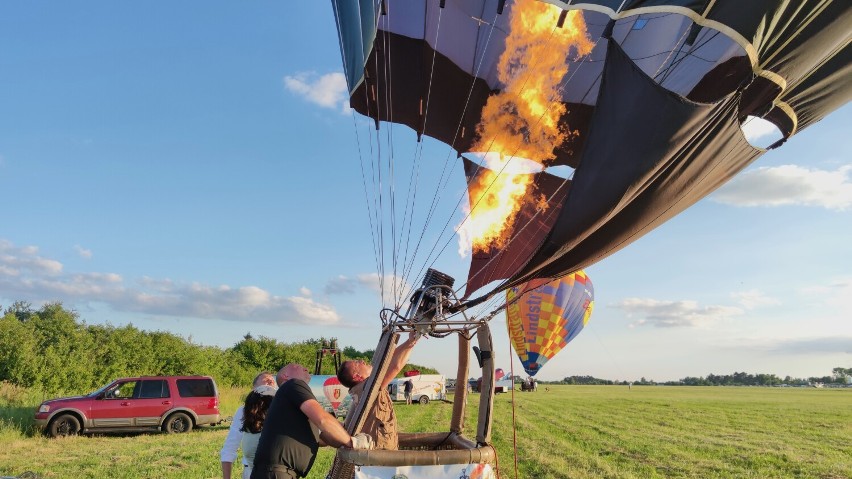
504 385
427 387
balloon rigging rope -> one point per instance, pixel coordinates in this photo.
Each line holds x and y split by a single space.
391 171
690 54
377 185
464 194
561 89
360 154
538 121
514 422
677 46
444 178
408 268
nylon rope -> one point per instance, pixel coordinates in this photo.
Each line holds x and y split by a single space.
674 47
565 84
444 178
464 194
388 73
358 144
514 406
560 89
378 183
407 268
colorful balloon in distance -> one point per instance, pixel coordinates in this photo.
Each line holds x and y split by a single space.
499 374
543 316
333 391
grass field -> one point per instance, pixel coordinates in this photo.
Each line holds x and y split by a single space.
567 432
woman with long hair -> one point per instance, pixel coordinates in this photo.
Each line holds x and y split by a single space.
254 413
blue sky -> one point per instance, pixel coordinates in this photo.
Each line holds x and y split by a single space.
192 168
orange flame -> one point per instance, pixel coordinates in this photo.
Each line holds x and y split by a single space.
523 119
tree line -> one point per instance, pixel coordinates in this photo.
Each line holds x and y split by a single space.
838 376
52 350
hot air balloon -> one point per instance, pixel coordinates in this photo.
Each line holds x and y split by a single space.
641 103
550 134
544 316
333 391
499 374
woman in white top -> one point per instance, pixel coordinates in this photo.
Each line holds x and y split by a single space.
254 412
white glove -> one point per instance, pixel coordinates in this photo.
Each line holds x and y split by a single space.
362 441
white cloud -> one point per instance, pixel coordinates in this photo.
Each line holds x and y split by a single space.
310 309
83 252
26 259
26 276
836 294
789 185
674 314
305 291
754 299
389 287
341 285
327 90
756 128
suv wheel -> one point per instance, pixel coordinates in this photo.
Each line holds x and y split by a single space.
177 423
64 425
424 400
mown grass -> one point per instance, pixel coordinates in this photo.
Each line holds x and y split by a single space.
567 432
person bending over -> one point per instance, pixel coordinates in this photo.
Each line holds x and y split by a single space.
296 425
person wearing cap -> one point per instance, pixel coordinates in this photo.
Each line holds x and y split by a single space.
296 425
254 413
228 454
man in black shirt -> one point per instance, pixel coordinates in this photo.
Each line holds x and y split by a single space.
409 386
289 440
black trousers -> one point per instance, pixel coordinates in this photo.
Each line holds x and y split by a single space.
276 471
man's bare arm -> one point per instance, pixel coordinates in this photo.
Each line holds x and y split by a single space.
332 432
399 358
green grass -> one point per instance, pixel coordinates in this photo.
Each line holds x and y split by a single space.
568 432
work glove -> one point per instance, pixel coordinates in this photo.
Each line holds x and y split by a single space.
362 441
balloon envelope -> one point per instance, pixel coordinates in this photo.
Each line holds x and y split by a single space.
707 65
543 316
499 374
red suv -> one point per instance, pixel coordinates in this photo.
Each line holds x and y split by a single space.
171 403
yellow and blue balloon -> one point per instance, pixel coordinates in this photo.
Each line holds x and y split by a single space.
544 315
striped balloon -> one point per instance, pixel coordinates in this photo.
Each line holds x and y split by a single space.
543 316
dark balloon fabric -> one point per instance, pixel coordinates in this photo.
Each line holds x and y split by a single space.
654 109
544 316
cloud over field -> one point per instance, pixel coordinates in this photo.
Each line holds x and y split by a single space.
25 275
674 314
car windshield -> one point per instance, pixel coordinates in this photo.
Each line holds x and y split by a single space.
102 389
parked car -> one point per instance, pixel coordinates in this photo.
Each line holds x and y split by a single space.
173 404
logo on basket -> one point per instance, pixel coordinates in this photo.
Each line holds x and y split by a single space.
464 475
